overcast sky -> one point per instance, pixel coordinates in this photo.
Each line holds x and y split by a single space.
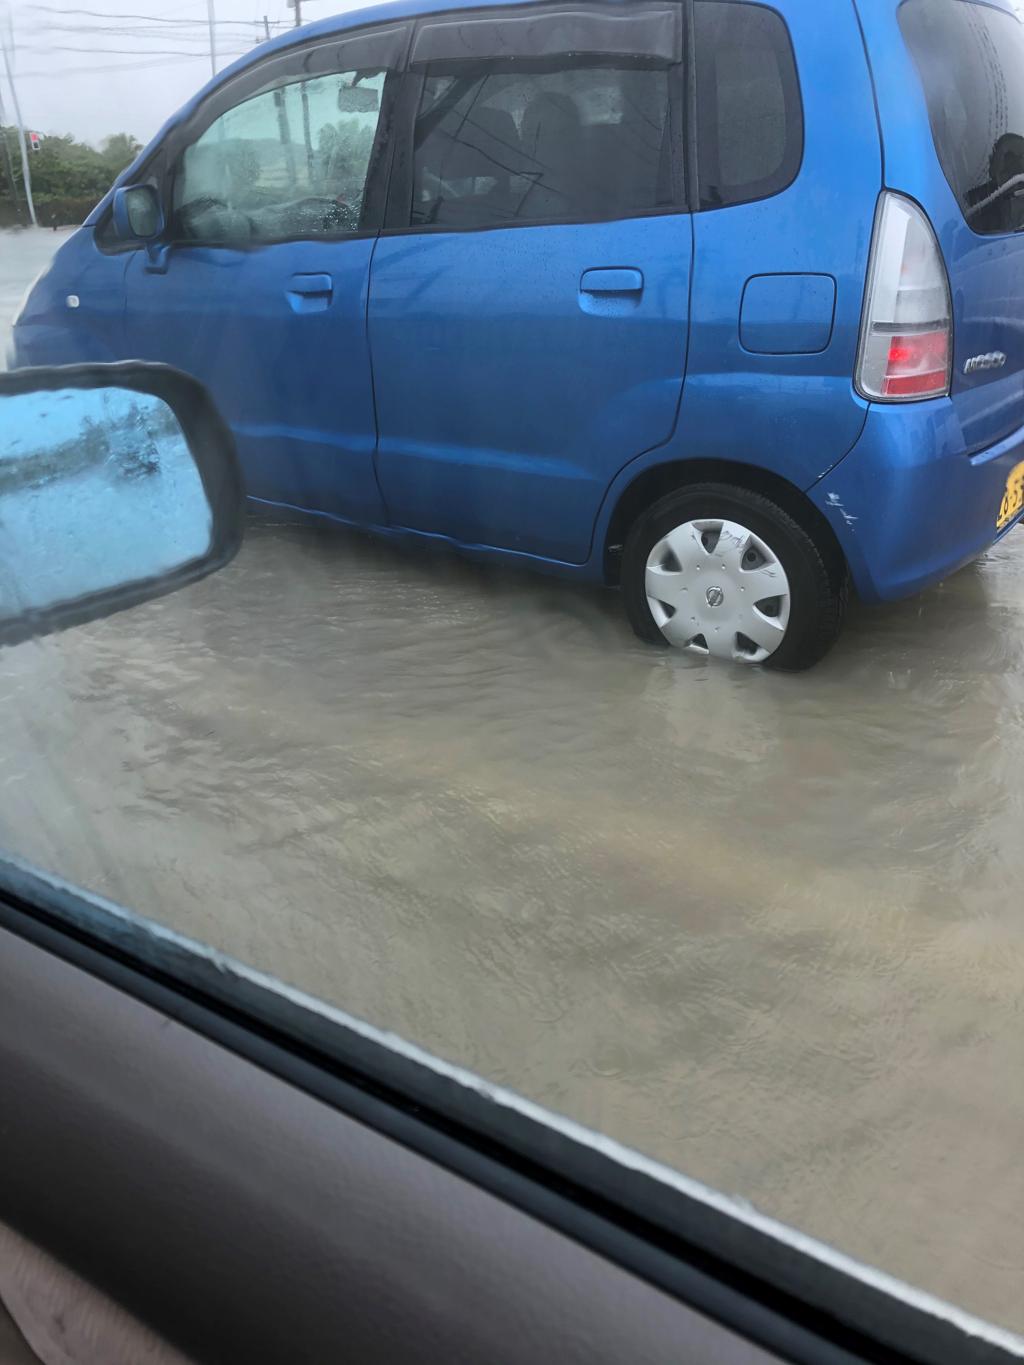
92 76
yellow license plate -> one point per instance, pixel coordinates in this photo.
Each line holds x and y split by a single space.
1013 498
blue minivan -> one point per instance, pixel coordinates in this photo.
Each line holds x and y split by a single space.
717 300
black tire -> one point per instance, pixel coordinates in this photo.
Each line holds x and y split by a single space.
817 582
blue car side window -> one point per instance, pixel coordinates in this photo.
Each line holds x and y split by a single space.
290 161
749 116
580 143
546 117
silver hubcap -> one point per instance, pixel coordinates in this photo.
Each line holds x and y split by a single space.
716 588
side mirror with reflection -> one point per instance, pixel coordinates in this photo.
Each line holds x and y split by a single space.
137 213
118 484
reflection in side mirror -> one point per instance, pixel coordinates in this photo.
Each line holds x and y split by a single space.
358 99
137 213
118 483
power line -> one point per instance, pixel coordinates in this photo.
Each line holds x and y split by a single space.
145 24
143 29
106 14
113 51
148 28
122 66
142 41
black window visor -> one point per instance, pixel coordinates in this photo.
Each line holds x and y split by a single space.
653 33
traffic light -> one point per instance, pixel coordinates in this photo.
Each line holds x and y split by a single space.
34 142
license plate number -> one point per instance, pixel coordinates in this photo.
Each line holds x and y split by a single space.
1013 498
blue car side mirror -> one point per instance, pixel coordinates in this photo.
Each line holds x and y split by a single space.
138 214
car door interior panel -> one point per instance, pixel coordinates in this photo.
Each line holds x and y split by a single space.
244 1220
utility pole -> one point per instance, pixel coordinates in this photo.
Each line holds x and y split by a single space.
213 37
304 97
21 135
283 130
8 165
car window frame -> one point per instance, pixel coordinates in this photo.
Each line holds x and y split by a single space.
401 181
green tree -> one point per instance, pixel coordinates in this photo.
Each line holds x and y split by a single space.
119 150
61 167
68 176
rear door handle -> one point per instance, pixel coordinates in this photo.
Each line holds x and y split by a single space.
611 280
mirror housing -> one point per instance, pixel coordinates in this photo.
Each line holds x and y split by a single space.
118 484
357 99
137 213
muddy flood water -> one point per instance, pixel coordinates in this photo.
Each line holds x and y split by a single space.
767 929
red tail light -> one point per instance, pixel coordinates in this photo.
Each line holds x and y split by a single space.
906 330
917 364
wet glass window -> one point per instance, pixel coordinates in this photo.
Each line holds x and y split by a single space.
749 119
290 162
971 61
600 848
566 141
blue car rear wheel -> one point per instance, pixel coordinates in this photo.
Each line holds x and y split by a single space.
719 570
